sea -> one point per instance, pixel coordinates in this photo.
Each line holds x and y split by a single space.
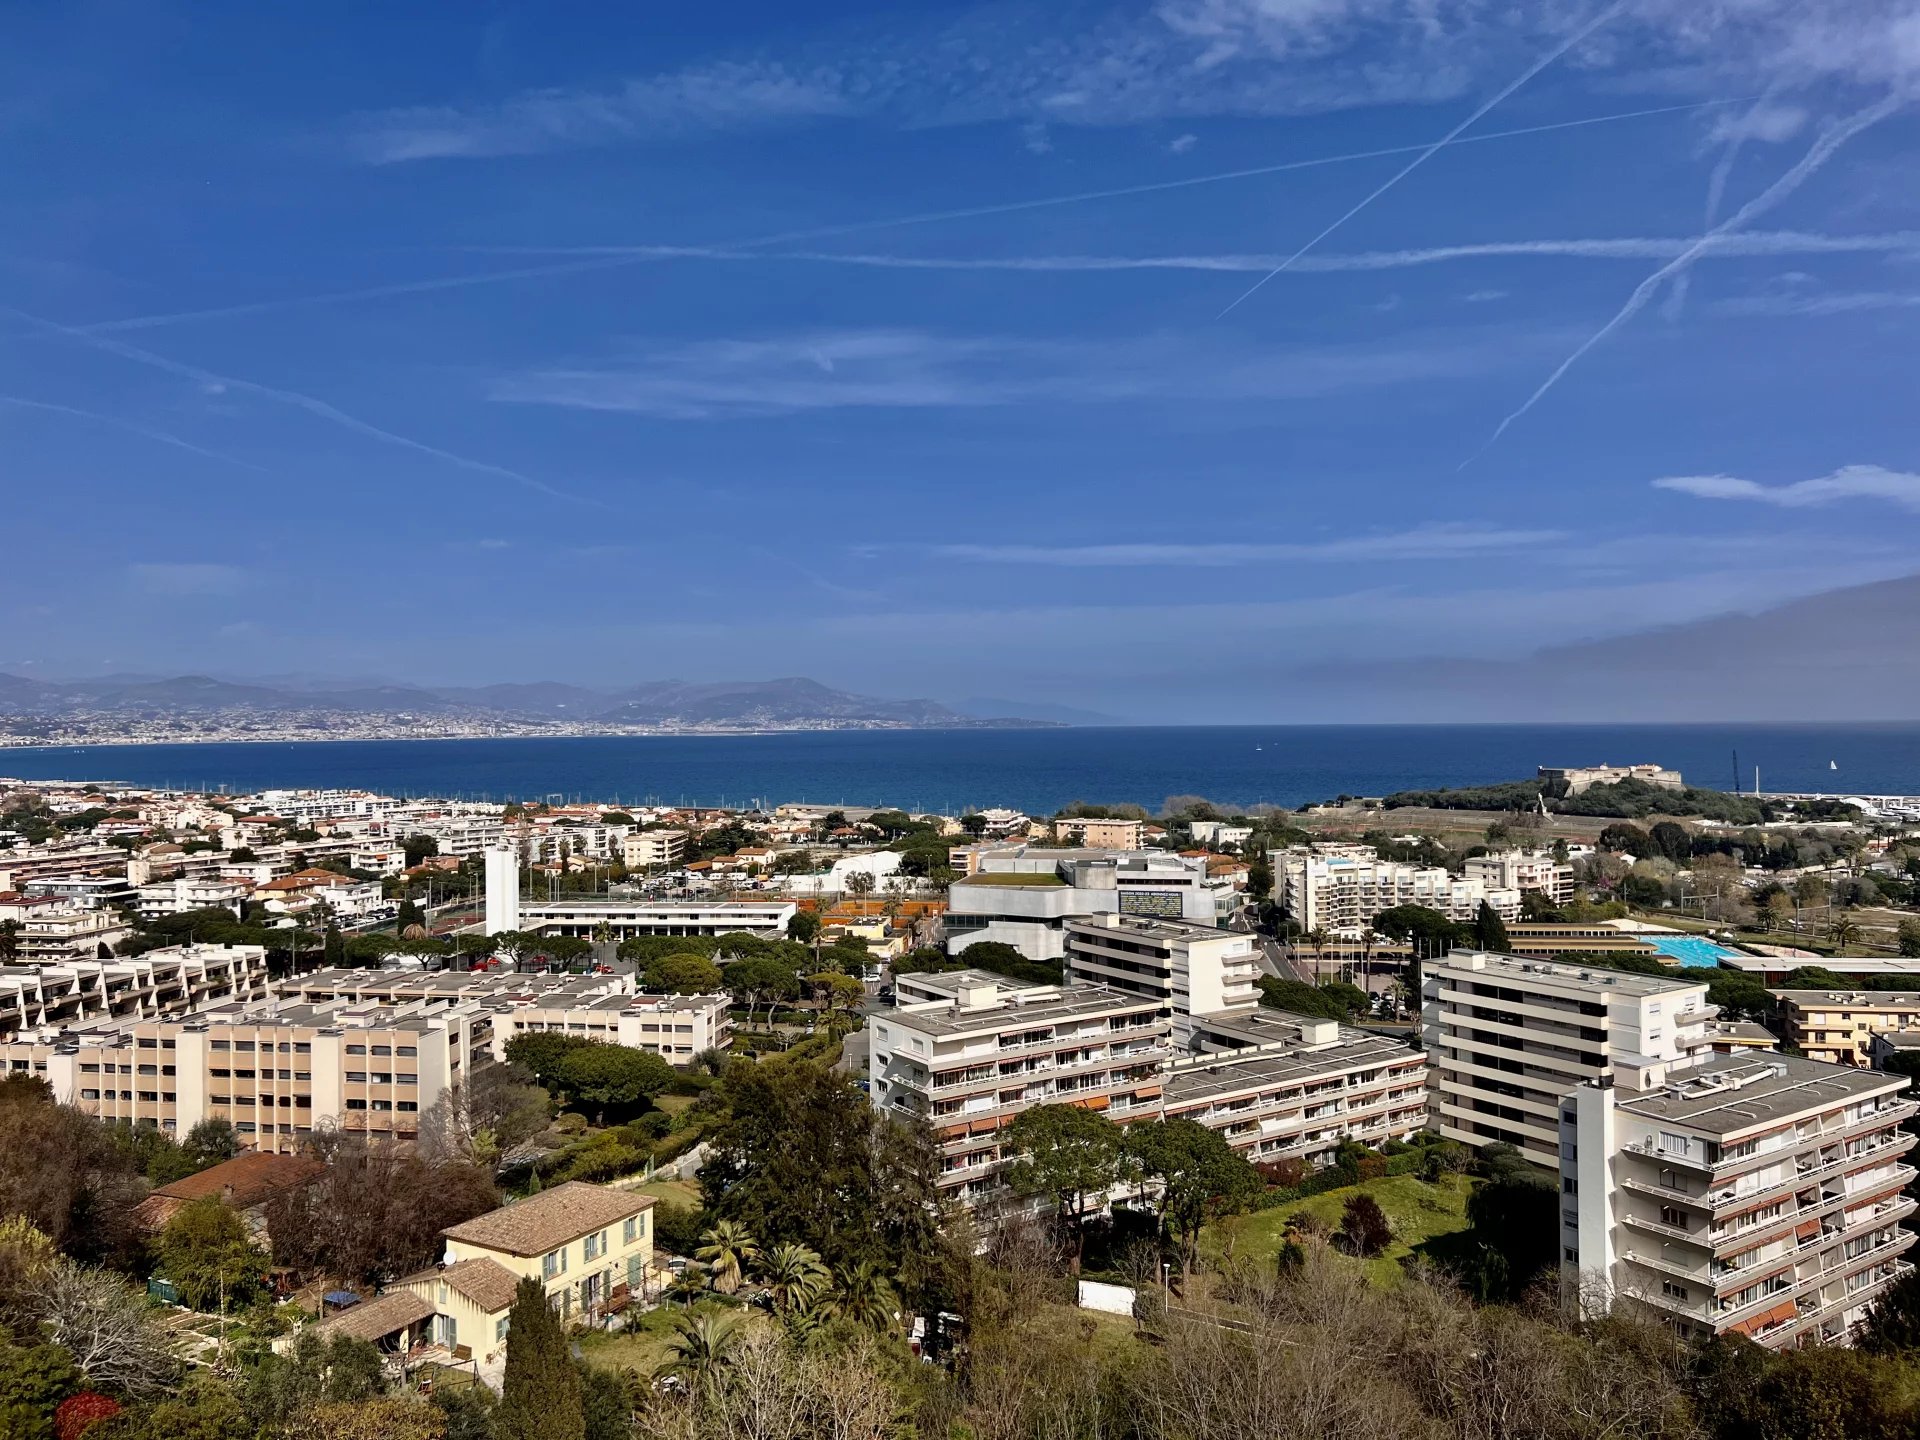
1036 771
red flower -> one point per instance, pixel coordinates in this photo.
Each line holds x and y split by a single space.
75 1414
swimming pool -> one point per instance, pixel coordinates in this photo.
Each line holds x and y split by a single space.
1692 951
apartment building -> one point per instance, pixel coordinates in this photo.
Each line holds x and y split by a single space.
1280 1086
677 1028
590 915
1755 1195
49 930
1522 870
273 1068
160 983
1340 888
1185 967
186 893
978 1050
653 849
449 987
1023 895
1101 834
1508 1039
1838 1026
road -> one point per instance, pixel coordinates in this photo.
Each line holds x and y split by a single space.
1271 953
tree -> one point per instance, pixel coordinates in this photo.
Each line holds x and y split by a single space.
865 1298
1364 1228
1428 931
835 991
1909 938
1489 930
209 1142
34 1379
540 1392
614 1075
796 1277
860 884
409 915
418 848
281 1388
682 975
106 1326
205 1252
761 978
375 1213
1843 932
1067 1154
1671 840
1201 1177
1893 1325
541 1053
804 926
700 1348
728 1251
606 1405
61 1170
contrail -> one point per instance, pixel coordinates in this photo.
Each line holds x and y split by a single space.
612 257
294 398
1762 242
1817 155
1716 192
117 423
1435 148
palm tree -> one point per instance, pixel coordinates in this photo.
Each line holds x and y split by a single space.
1317 937
1843 931
1369 938
702 1346
865 1297
727 1250
796 1276
688 1284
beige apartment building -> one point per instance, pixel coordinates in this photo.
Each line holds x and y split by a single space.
1755 1195
1522 870
1839 1025
1281 1086
1101 834
974 1050
159 983
675 1027
653 849
274 1069
1508 1039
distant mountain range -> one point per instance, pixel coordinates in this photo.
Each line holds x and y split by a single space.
743 704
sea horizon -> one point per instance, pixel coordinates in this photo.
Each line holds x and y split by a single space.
1032 769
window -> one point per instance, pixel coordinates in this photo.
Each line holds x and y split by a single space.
406 1105
383 1050
406 1079
553 1263
1673 1291
301 1047
356 1077
381 1077
595 1246
356 1104
500 1329
411 1050
220 1099
243 1074
243 1044
223 1044
628 1231
356 1049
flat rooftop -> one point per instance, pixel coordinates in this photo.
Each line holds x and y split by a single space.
1019 1007
1520 968
1733 1093
1232 1074
1011 877
1851 999
1153 927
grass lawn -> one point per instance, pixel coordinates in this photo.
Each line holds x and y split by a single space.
673 1104
674 1192
644 1347
1417 1211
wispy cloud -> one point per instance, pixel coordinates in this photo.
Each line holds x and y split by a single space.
1181 144
1850 482
1175 60
1839 303
905 369
731 96
1426 542
188 578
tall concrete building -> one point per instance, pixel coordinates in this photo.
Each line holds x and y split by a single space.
1757 1195
1341 888
1187 968
1508 1039
503 889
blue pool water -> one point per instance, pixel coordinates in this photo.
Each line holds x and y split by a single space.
1691 951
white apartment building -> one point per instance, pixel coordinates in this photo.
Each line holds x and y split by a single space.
590 915
164 982
1185 967
274 1069
969 1060
1219 832
653 849
1023 895
1757 1195
1508 1039
52 931
674 1027
1280 1086
1522 870
1340 888
187 893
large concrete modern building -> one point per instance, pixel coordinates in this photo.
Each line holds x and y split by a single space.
1023 896
1507 1039
1759 1195
160 983
1186 967
1341 888
588 916
969 1060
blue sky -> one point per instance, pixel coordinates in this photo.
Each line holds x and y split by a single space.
919 349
